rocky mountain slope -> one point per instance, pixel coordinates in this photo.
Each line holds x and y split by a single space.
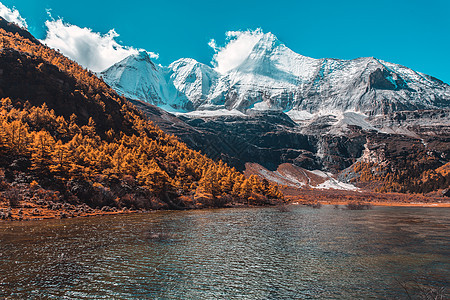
405 147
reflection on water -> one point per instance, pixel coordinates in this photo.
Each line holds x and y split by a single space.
254 253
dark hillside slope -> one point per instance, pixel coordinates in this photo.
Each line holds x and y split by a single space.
25 77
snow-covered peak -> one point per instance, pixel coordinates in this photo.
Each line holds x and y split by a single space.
189 70
140 60
269 57
192 79
141 55
266 44
183 62
270 76
137 77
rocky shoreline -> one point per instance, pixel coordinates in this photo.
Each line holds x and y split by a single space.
30 212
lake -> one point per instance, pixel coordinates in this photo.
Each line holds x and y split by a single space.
241 253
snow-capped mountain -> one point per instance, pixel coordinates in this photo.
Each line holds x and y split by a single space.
182 86
277 107
137 77
273 77
191 79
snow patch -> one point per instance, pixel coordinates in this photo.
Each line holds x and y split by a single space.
358 119
337 185
321 173
212 113
299 115
269 176
261 106
291 179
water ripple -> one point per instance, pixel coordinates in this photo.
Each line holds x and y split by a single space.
259 253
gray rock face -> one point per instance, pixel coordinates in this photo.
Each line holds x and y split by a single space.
272 138
266 138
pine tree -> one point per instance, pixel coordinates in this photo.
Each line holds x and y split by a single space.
60 162
42 147
89 129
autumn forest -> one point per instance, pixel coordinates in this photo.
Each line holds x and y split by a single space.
74 140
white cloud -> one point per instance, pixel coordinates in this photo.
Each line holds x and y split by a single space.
90 49
236 50
12 15
212 43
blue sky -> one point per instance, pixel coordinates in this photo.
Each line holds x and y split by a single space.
414 33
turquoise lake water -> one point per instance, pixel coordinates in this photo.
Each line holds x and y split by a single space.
245 253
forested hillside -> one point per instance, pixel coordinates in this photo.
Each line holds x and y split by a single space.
66 137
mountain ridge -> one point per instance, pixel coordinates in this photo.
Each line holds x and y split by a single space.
273 77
